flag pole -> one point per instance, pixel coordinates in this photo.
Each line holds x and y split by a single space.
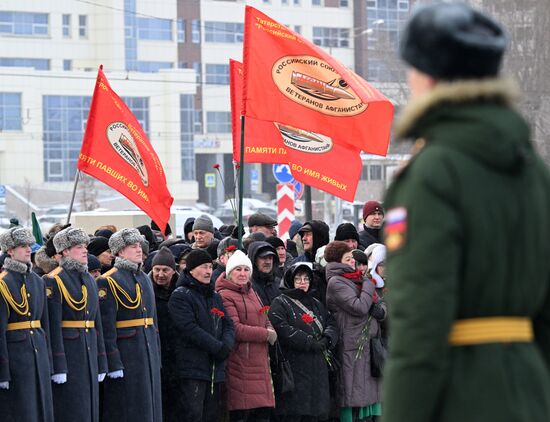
241 188
77 176
308 208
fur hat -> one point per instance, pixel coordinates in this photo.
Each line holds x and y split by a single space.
197 257
14 237
123 238
451 41
164 257
203 223
98 245
371 207
346 231
236 260
336 250
227 242
69 237
45 262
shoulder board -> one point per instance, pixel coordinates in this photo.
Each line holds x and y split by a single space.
3 274
110 272
55 272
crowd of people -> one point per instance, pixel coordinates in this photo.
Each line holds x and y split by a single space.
131 324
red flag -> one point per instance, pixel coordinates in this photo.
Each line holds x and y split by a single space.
314 159
290 80
116 151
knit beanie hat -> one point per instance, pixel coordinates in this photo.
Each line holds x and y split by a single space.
204 223
69 237
197 257
370 207
14 237
237 259
360 256
106 233
164 257
275 242
123 238
295 226
93 263
98 245
346 231
378 256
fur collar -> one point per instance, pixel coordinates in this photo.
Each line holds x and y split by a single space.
17 266
71 264
124 264
504 90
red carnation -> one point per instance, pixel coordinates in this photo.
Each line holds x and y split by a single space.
230 248
217 312
237 166
216 166
307 318
264 310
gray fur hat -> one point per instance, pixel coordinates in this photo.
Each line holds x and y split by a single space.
69 237
14 237
123 238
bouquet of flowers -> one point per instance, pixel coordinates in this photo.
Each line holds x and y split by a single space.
217 315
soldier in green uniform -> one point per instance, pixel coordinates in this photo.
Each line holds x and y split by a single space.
467 228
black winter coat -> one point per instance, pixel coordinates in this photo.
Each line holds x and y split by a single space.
311 394
267 286
136 350
200 334
25 359
368 236
77 352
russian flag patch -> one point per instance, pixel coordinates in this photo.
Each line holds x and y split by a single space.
395 228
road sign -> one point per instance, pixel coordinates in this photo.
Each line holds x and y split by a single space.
298 190
2 191
210 180
282 174
285 208
254 180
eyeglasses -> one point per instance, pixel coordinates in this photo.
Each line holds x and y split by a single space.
302 280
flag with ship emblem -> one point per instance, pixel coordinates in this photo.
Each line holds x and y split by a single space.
290 80
313 159
116 151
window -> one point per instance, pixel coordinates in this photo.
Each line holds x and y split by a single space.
218 122
316 3
223 32
284 2
154 29
38 64
181 30
403 5
82 26
371 4
187 126
331 37
67 64
151 66
196 31
298 29
66 27
23 23
198 121
198 71
375 172
297 2
140 109
344 3
10 111
217 74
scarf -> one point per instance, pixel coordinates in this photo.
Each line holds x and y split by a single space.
356 277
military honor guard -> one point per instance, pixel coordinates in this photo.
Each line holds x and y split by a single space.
128 311
76 335
25 367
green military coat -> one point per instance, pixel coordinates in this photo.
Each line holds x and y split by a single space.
467 231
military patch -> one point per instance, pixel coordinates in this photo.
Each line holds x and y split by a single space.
49 292
395 228
102 293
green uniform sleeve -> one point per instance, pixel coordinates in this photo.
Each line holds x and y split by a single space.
423 274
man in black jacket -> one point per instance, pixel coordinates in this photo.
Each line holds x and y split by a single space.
373 218
264 262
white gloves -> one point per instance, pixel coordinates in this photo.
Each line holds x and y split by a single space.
100 377
4 385
59 378
116 374
271 336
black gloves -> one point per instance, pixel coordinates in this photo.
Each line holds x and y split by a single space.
223 353
378 311
320 344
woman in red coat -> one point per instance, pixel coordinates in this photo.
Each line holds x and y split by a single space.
247 378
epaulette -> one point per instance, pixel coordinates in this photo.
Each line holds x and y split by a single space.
108 273
55 272
2 275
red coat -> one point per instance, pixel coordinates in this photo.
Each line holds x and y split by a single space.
247 375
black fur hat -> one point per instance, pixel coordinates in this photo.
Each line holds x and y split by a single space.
451 41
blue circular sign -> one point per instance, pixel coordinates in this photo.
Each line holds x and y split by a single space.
298 190
282 173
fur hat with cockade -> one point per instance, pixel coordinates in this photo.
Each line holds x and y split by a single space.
14 237
123 238
69 237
